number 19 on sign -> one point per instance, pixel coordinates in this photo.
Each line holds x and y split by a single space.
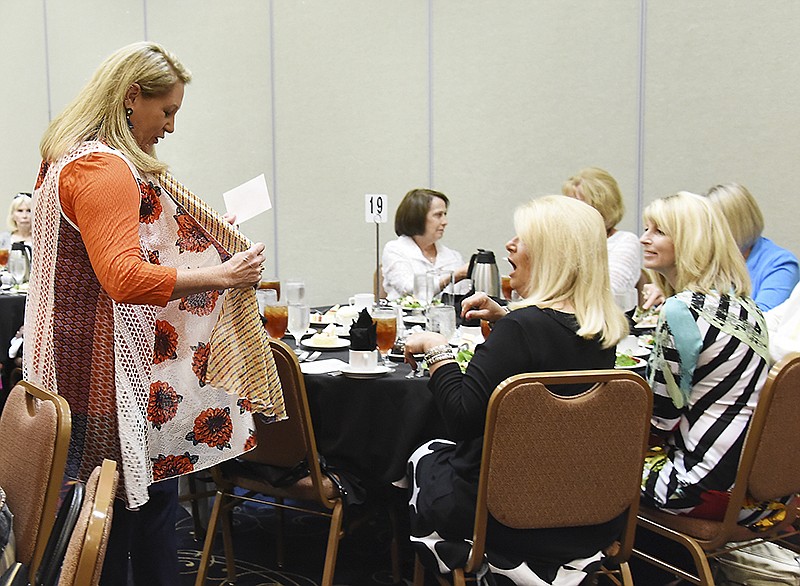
375 208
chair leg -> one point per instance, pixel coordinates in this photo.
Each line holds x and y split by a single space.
704 575
208 543
419 572
625 571
227 541
199 530
395 547
458 577
334 535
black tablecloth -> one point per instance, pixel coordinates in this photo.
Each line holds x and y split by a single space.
370 427
12 314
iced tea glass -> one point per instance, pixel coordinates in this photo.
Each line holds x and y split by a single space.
277 316
385 320
273 283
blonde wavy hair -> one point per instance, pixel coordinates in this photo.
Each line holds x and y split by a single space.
706 256
566 244
741 210
98 111
600 190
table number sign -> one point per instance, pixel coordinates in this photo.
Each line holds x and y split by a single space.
376 207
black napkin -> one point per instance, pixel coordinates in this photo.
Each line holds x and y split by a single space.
363 335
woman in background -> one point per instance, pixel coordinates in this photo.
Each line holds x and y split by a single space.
600 190
709 359
419 223
773 270
19 218
567 320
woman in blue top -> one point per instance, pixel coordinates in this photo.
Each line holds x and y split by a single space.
773 270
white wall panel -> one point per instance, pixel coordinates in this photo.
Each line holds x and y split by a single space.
722 103
351 108
526 94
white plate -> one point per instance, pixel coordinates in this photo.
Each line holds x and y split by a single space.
647 325
639 351
365 374
415 319
337 346
640 363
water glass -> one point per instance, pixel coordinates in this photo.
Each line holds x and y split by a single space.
299 320
295 291
421 289
441 319
440 285
17 266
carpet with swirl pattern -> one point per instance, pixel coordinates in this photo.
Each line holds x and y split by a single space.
364 553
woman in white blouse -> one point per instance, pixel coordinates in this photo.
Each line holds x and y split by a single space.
419 223
599 189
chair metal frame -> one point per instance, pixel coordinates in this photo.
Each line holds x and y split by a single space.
765 473
83 561
514 403
282 444
35 399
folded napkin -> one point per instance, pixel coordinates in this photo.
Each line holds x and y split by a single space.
363 335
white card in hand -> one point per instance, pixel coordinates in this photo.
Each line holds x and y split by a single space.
248 200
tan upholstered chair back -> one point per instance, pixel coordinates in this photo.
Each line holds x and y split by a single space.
83 562
773 475
565 461
284 443
35 429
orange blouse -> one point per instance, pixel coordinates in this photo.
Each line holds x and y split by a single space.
99 194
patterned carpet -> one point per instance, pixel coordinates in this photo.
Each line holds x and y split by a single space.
364 554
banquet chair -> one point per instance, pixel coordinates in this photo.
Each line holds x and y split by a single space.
56 549
766 472
285 445
35 429
551 461
83 561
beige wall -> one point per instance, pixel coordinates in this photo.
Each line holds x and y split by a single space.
490 102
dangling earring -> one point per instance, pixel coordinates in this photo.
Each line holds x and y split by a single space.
128 112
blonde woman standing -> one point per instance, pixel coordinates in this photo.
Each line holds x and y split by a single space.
709 361
566 320
130 276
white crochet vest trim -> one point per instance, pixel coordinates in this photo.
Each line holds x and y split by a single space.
134 331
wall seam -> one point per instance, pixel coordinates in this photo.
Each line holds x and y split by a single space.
274 138
640 133
144 15
47 63
430 94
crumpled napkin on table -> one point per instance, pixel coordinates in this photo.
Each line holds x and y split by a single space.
363 335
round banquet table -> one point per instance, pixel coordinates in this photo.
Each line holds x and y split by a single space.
370 427
12 314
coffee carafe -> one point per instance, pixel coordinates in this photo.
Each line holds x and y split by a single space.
484 273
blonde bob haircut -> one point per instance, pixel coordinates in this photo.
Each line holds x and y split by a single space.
98 111
19 200
600 190
566 245
741 210
706 256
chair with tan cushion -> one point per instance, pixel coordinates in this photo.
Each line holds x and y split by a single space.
35 429
83 562
767 472
282 445
552 461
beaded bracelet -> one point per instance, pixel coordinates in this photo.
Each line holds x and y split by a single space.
438 354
